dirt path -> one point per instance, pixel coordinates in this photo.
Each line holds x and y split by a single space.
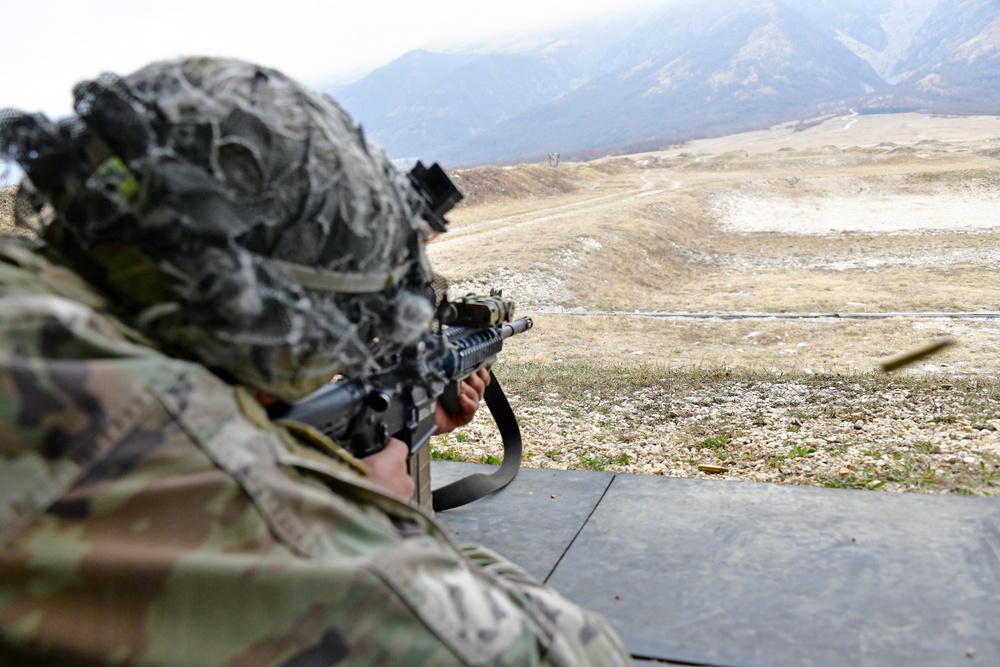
639 186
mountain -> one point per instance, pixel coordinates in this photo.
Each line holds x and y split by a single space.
690 69
424 101
954 66
427 99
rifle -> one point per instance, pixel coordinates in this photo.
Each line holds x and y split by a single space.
361 414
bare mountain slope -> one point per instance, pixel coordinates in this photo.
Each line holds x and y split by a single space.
692 69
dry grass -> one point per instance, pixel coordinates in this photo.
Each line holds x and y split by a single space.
781 346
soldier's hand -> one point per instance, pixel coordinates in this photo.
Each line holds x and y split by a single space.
388 469
471 392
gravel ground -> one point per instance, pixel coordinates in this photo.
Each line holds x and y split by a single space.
863 432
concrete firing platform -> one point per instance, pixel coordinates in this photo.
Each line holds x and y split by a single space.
533 521
739 574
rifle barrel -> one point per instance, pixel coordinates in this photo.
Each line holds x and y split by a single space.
517 326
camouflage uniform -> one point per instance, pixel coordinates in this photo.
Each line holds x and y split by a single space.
150 513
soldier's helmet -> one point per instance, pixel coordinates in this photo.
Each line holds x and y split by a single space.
233 216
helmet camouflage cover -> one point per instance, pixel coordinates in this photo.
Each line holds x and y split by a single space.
233 216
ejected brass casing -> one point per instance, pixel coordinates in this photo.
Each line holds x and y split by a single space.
902 359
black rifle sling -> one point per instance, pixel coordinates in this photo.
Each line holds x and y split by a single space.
477 485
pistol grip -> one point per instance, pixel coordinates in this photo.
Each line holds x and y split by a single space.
449 399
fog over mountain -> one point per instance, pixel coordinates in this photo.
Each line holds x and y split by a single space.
688 70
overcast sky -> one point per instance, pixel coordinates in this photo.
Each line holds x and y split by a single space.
60 42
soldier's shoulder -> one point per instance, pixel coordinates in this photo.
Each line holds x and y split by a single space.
26 267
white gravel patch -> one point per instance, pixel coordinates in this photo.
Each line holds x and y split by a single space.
864 213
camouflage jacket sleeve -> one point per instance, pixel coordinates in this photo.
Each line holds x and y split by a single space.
151 515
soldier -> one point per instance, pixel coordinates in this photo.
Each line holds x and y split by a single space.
210 232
